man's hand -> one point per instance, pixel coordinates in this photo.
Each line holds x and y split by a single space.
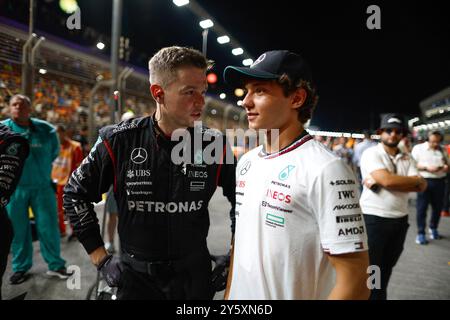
432 169
421 184
370 183
111 270
220 273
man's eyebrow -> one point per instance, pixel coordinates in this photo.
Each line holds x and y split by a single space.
256 83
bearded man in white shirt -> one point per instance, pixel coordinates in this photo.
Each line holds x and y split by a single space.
388 175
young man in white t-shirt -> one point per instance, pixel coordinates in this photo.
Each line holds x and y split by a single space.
299 229
388 175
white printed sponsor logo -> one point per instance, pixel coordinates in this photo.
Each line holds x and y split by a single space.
351 231
139 183
138 173
139 155
197 174
197 185
125 127
162 207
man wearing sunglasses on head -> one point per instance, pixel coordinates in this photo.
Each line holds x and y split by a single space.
388 175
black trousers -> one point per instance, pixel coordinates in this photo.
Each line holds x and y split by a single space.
386 237
446 203
434 195
6 236
187 279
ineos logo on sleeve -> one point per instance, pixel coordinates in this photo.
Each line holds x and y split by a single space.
139 155
245 168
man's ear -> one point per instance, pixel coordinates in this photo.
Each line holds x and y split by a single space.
299 98
157 93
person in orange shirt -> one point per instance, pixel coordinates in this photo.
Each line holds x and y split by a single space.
70 157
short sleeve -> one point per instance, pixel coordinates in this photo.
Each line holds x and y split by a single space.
335 201
371 161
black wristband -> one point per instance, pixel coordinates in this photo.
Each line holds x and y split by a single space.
104 260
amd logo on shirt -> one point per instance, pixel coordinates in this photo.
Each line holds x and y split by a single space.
351 231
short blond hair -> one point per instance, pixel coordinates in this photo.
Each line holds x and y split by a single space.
163 66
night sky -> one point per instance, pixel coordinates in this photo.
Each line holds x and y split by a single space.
360 73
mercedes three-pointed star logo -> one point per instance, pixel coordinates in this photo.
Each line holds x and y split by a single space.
139 155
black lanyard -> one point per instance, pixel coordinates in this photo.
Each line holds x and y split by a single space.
393 164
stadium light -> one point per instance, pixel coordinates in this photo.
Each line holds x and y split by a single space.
238 92
68 6
237 51
100 45
223 39
180 3
211 78
205 24
247 62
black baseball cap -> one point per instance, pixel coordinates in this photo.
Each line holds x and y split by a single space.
393 121
269 66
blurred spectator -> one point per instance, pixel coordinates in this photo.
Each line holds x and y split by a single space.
81 137
405 145
342 151
358 152
34 190
433 165
388 177
446 205
70 157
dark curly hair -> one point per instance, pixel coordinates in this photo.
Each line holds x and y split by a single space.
289 86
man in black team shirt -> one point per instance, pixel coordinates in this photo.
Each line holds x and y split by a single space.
14 150
163 206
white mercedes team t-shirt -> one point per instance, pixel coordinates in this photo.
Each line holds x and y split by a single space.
385 203
293 207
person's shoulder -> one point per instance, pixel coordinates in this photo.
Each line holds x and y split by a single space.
419 146
124 127
316 153
7 122
249 156
75 144
371 151
42 125
6 133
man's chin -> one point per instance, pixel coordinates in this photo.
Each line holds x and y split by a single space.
391 144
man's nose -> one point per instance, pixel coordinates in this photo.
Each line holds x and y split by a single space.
200 100
247 103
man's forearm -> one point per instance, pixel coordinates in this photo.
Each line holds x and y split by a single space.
347 292
401 183
98 255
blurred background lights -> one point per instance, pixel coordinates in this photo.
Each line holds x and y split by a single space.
68 6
